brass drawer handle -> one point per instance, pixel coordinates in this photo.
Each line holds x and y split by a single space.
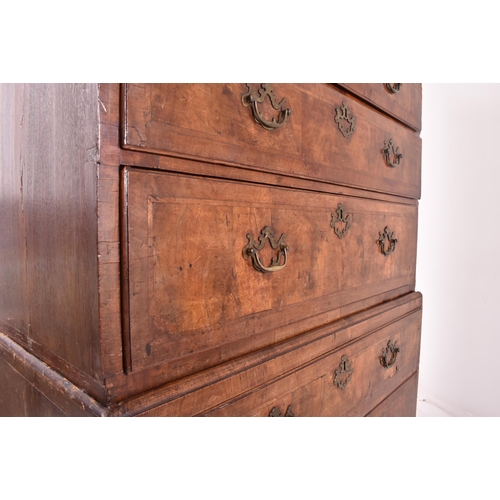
341 379
389 237
276 412
393 349
393 88
339 216
252 247
252 98
343 114
391 154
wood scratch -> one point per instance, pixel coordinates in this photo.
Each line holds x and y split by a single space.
102 104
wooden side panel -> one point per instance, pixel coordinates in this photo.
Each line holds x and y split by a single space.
405 105
59 202
210 122
13 288
401 403
191 289
18 398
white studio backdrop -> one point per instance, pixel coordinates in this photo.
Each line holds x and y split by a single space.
458 254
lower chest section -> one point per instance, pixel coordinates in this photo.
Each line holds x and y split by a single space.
366 364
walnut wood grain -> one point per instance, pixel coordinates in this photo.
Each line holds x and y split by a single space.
209 121
81 379
190 288
96 315
59 184
228 380
49 154
211 388
108 232
405 105
311 392
238 379
234 172
14 304
65 397
18 398
401 403
165 374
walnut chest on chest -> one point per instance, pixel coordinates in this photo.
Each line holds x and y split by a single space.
209 249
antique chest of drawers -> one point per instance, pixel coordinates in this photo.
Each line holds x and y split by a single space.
209 249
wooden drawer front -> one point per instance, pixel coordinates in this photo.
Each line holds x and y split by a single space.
310 391
404 102
190 289
210 121
401 403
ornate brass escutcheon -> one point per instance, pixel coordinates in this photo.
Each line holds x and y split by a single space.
252 247
276 412
252 98
391 154
345 367
389 237
343 114
393 350
393 88
339 216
